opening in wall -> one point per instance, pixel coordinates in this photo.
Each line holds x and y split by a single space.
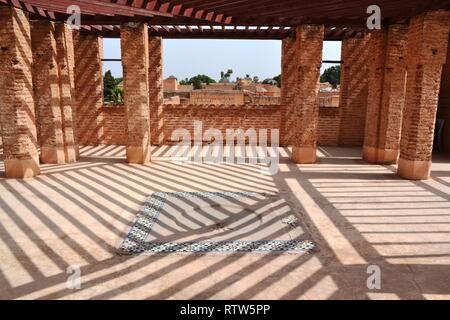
330 74
113 72
222 72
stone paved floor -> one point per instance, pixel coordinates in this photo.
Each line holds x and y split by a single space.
358 214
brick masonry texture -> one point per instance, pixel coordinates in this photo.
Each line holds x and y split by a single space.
288 78
17 111
156 90
135 61
221 117
386 93
427 53
444 103
354 90
66 66
305 115
88 88
46 85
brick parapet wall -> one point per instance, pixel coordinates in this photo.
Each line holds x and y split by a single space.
220 117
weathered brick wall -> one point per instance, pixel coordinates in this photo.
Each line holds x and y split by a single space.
220 117
288 79
135 62
214 97
115 126
156 91
444 103
47 92
66 66
17 113
353 99
88 88
328 128
386 93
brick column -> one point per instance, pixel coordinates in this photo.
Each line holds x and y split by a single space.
386 95
426 55
353 94
444 104
309 45
288 78
89 88
156 90
46 92
135 56
66 64
17 112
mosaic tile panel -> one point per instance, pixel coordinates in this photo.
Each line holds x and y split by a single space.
136 242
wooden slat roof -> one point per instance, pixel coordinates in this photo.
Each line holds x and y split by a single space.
240 19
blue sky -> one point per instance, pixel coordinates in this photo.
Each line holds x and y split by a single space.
187 58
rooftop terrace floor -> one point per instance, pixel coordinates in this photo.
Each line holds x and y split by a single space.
357 214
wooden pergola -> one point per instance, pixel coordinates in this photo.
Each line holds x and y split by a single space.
230 19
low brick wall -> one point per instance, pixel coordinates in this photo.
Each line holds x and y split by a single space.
328 133
219 117
114 123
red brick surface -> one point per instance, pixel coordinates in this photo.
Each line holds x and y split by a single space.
427 53
135 62
444 103
156 90
17 111
46 85
386 95
305 115
88 88
353 99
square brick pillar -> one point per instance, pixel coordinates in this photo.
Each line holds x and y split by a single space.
156 90
353 93
17 113
288 78
309 45
135 61
66 65
426 55
387 79
47 92
88 88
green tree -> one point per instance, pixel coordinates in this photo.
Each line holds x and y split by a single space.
117 96
332 75
275 80
109 83
197 83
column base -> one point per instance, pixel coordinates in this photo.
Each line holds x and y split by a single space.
414 170
53 155
138 155
380 156
22 169
304 155
72 154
